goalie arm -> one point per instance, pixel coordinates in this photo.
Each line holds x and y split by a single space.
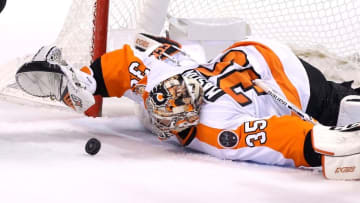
48 75
116 72
283 140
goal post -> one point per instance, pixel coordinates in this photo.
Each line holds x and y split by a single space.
101 19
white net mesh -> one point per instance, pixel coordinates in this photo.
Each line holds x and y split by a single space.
304 23
324 31
76 36
321 24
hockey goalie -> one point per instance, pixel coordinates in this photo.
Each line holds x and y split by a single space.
217 108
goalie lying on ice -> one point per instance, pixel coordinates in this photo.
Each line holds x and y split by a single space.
216 108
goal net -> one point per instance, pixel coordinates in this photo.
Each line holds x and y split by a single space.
324 32
303 24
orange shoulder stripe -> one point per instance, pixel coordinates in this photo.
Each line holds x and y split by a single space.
285 134
116 71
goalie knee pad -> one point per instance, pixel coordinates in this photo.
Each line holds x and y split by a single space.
341 168
340 149
349 111
336 141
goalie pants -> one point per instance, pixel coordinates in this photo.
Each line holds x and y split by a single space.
325 96
324 104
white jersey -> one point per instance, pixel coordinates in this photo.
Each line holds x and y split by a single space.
238 120
245 105
275 64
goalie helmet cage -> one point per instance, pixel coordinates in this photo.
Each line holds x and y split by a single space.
318 28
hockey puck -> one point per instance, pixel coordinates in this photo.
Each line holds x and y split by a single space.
92 146
2 5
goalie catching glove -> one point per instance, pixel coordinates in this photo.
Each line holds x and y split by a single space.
47 75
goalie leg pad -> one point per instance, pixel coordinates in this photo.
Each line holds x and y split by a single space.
336 141
349 111
341 168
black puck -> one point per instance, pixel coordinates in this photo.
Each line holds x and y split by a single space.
92 146
2 5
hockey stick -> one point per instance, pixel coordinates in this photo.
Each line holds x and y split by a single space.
279 99
150 45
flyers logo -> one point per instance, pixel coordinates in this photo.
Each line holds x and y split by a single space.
159 98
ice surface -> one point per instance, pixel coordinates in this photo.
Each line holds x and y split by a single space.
42 160
42 157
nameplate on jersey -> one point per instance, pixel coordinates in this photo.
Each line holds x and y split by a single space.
211 91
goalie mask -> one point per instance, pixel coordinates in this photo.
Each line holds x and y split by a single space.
174 105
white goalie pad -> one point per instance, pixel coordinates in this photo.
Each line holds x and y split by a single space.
207 37
208 28
349 111
336 141
341 168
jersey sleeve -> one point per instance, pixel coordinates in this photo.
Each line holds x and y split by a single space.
274 141
117 71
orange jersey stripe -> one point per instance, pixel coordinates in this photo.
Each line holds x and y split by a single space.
285 134
121 68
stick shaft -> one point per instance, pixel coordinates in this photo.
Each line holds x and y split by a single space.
279 99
